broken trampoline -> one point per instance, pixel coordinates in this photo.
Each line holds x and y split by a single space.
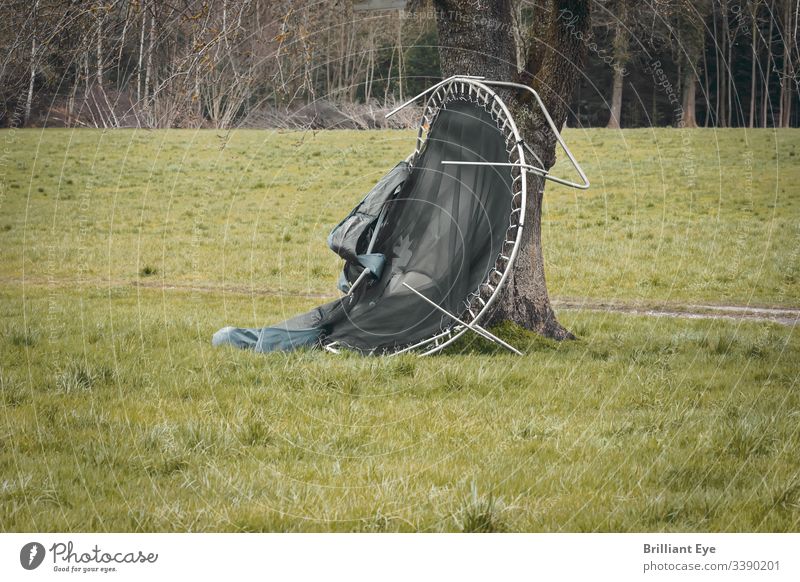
428 250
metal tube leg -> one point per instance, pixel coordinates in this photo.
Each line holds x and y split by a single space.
474 327
360 278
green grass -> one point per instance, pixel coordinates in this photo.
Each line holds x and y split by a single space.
116 414
702 216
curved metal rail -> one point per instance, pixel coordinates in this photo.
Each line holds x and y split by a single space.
534 169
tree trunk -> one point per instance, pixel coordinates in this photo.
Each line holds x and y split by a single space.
100 49
787 81
86 74
148 73
72 94
707 89
729 87
123 79
722 87
29 98
616 95
388 80
689 99
141 54
400 64
519 35
792 72
616 100
766 101
370 67
718 115
754 57
469 47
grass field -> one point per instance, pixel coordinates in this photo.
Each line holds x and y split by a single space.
123 251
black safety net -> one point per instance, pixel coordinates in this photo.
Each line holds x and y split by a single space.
438 228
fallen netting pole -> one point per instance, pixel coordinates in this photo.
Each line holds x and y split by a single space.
361 277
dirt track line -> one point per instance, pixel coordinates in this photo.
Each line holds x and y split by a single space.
756 313
202 287
784 316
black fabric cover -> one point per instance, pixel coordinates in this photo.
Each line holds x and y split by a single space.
351 237
442 234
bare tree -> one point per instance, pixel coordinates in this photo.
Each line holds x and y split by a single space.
788 77
193 63
29 98
693 37
621 46
753 6
766 103
139 68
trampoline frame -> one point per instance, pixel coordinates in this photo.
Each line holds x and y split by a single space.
478 303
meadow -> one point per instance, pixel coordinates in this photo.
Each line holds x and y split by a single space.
123 251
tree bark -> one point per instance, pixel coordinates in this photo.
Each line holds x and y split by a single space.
766 101
32 80
148 73
787 82
692 40
707 90
689 99
519 36
370 67
616 101
729 87
100 48
718 105
620 60
754 57
722 86
469 47
141 53
125 23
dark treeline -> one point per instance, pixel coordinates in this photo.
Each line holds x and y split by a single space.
223 63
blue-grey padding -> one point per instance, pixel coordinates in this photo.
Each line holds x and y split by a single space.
372 261
304 330
273 339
